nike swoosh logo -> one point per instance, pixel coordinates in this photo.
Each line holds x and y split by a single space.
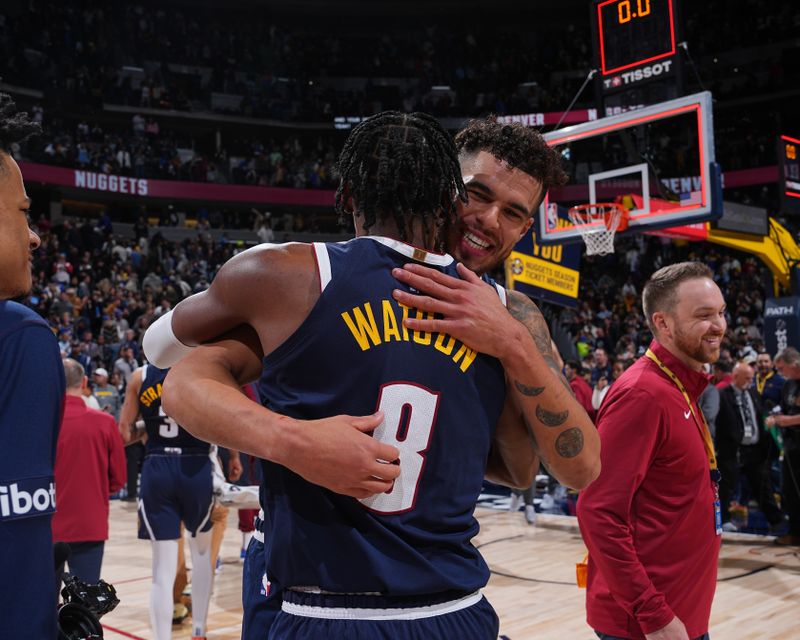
687 414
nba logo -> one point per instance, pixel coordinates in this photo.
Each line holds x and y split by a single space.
552 216
265 585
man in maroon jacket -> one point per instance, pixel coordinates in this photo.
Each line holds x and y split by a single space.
90 465
651 519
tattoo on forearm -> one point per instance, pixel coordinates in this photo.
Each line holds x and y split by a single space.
525 390
528 314
569 443
524 310
551 418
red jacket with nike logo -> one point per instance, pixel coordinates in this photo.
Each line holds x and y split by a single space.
648 520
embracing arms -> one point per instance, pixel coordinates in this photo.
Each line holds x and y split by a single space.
257 300
555 426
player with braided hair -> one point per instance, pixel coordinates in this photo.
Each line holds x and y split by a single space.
32 380
320 323
391 182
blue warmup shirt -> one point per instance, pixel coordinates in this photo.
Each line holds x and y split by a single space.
31 403
441 400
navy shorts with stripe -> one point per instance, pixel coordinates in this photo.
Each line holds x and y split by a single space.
476 622
175 488
261 598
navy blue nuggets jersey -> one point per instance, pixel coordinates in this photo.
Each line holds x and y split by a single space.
176 473
31 403
162 431
441 401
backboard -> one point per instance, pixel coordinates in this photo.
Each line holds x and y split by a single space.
658 161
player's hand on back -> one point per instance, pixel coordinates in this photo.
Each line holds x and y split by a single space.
472 310
339 454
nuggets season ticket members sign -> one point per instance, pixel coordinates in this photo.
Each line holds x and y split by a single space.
546 272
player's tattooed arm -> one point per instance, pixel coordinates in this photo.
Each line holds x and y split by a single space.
559 431
523 309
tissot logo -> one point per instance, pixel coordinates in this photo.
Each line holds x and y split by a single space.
28 497
771 312
637 75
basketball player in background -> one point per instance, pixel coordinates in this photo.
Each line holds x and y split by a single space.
176 486
32 383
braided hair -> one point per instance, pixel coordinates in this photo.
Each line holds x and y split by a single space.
14 126
516 145
400 165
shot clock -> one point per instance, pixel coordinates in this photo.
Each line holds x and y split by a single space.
636 43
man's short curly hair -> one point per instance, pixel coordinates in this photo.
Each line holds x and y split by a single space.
516 145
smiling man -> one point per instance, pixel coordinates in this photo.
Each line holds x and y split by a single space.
507 170
651 520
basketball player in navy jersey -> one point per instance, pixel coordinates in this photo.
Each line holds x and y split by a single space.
368 336
176 486
31 401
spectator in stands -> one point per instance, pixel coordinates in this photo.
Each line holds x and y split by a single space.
125 364
768 382
78 354
599 392
601 367
106 394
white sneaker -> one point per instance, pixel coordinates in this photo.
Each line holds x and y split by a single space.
516 503
530 514
729 526
548 503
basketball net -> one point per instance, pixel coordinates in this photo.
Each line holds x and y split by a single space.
598 224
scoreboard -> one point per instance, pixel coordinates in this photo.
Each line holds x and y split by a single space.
636 52
789 176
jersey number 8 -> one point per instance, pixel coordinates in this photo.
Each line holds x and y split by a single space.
409 418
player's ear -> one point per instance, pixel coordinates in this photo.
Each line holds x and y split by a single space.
525 228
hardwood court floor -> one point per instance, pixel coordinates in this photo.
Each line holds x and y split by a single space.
532 585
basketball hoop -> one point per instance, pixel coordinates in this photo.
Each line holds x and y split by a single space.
598 224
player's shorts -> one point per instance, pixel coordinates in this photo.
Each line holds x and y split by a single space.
261 597
176 487
363 617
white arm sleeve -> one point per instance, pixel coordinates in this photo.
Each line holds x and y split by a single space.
161 345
